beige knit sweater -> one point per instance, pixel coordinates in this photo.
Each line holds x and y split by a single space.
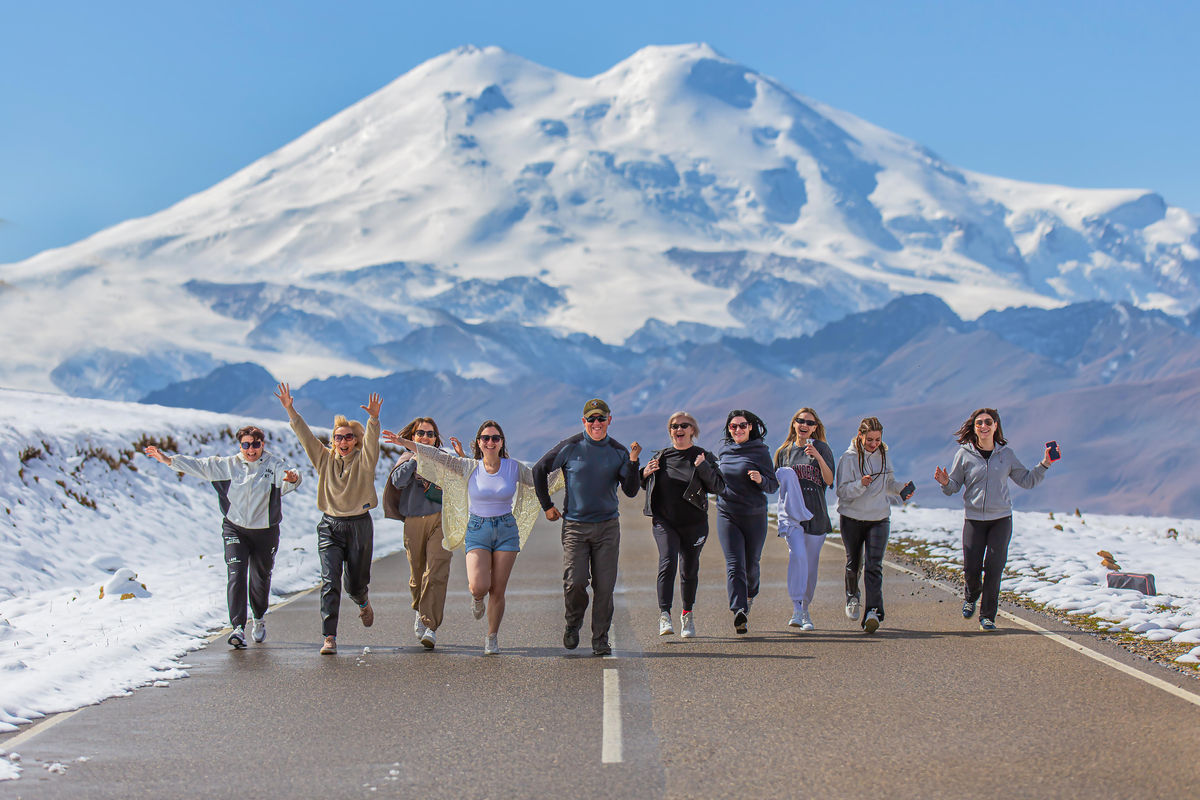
345 486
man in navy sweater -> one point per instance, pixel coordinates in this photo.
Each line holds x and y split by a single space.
594 465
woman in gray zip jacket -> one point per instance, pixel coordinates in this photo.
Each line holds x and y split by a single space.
249 486
678 480
982 467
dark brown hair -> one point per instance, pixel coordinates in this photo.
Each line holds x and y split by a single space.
966 432
758 428
411 428
489 423
251 431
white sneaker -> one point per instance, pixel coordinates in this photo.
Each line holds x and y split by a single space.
797 619
665 628
259 631
419 627
871 623
687 623
478 608
429 639
237 639
806 623
852 606
491 646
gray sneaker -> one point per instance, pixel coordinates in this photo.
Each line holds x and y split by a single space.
491 646
806 623
419 627
871 623
665 628
797 619
429 639
478 608
852 606
687 622
259 631
237 639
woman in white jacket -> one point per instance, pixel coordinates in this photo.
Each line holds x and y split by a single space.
865 484
249 486
488 507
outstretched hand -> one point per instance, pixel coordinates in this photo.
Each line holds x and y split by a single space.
458 448
285 396
940 476
374 403
397 439
157 455
291 476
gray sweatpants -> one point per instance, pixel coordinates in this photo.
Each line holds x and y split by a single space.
590 551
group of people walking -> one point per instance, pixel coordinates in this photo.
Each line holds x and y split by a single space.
486 504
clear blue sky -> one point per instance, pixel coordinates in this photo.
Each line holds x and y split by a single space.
115 110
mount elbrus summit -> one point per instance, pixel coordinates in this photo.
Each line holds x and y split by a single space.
488 237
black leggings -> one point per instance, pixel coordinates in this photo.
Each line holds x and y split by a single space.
249 554
857 536
985 550
678 544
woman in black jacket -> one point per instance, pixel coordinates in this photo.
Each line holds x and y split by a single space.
677 481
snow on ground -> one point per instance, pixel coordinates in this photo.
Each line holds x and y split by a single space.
1055 563
79 504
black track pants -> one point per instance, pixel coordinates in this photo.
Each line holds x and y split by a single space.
985 550
860 536
678 545
249 558
345 545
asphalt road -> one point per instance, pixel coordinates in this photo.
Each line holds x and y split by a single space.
927 707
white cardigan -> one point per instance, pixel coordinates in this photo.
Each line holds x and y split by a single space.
453 474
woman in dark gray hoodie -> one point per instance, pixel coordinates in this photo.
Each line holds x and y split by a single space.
982 467
745 464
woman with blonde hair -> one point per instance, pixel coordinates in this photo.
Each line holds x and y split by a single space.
865 482
806 452
678 480
345 495
418 502
488 507
982 468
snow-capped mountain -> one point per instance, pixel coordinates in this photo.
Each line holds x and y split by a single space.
678 194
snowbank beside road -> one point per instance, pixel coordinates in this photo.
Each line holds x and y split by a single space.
79 504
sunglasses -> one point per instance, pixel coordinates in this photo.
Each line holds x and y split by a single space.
738 426
596 418
491 437
424 433
984 423
680 426
344 437
811 423
252 445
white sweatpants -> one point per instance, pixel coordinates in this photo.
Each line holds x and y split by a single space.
804 553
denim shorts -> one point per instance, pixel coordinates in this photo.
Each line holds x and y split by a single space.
498 534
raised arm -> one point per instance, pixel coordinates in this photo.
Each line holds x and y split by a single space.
630 474
1027 478
213 468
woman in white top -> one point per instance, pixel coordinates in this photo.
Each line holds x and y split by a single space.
488 507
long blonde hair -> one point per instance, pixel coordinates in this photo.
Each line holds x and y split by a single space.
792 438
867 425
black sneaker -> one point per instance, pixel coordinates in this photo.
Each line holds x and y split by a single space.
739 621
968 609
571 638
986 624
601 649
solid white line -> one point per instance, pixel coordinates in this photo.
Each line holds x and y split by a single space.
611 749
41 727
1153 680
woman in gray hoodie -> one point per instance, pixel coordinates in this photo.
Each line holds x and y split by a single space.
865 483
982 467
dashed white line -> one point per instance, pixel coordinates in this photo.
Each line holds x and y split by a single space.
612 749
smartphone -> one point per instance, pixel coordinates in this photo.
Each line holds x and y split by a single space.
907 491
1052 446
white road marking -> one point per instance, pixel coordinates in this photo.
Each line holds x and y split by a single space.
1153 680
611 751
